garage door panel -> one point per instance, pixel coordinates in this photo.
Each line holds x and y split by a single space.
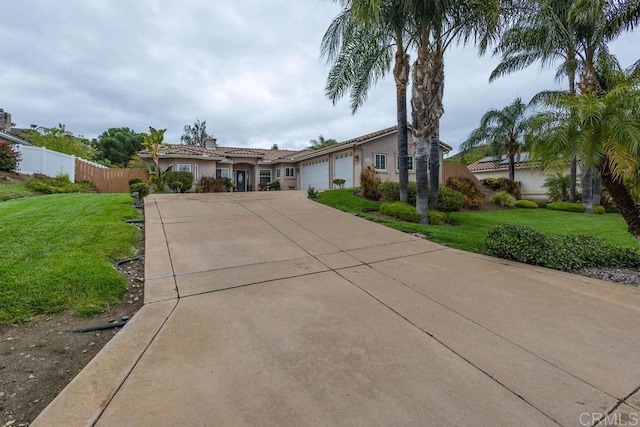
315 173
343 168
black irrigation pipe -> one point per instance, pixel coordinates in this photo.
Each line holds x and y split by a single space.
123 321
135 221
117 264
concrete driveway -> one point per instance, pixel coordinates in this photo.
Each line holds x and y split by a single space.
267 308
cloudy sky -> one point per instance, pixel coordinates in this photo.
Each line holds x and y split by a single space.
250 68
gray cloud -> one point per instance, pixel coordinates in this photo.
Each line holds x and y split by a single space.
250 68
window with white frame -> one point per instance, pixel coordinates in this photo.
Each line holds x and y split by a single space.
381 161
265 175
410 163
183 167
289 172
278 173
222 173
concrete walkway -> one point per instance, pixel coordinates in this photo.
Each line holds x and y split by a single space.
267 308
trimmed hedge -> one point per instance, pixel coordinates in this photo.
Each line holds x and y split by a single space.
437 217
599 210
566 253
179 181
449 200
566 207
140 187
390 192
526 204
403 211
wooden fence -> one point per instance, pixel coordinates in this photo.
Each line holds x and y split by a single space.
107 180
458 170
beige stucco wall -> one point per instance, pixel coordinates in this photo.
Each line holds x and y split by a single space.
531 179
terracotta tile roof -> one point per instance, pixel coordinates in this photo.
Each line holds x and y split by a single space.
494 163
278 154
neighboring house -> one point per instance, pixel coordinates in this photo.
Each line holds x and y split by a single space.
247 167
530 175
11 138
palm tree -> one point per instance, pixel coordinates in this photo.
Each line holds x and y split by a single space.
361 52
542 32
321 142
608 139
153 142
504 130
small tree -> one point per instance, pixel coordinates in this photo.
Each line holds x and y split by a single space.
196 134
9 158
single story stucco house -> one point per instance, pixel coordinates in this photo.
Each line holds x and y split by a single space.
530 175
247 167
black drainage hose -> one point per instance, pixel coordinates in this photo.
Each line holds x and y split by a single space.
135 221
117 264
123 321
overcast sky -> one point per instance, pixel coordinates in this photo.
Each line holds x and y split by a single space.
250 68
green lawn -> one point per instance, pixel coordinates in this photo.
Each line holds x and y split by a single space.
57 253
473 226
13 190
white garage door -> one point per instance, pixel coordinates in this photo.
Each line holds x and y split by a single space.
343 168
314 173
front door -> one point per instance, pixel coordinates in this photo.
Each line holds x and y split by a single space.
241 180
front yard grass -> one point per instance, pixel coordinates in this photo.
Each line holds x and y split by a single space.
57 253
472 227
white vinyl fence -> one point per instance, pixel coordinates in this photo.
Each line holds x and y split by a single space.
44 161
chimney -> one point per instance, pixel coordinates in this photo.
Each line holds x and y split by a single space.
210 143
5 121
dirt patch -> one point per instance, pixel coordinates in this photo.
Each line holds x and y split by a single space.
39 358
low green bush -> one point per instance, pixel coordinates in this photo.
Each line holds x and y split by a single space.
312 193
339 182
566 206
437 217
135 181
60 184
503 199
179 181
526 204
403 211
542 205
140 187
449 200
599 210
502 184
390 192
563 252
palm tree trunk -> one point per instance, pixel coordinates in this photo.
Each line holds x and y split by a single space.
627 207
573 178
597 188
436 110
587 189
419 112
512 167
401 76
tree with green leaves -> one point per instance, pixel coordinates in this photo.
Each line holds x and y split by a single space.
58 139
361 52
504 131
118 146
196 134
321 142
608 137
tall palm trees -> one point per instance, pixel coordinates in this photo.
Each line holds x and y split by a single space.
504 130
361 52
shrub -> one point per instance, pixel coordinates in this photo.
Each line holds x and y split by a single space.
504 199
503 184
403 211
140 187
209 184
558 187
389 191
449 200
275 185
369 182
60 184
135 181
566 206
179 181
526 204
437 217
599 210
567 253
339 182
542 205
312 193
473 199
9 158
